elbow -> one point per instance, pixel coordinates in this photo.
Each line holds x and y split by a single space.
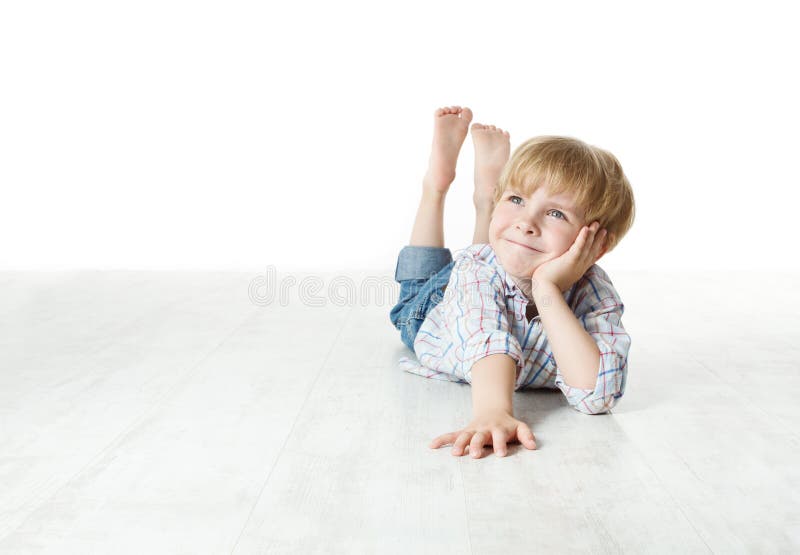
612 388
601 405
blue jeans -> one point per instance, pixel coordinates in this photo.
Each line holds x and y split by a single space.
422 273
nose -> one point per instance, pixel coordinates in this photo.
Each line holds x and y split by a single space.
527 227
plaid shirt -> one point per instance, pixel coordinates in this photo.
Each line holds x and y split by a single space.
483 313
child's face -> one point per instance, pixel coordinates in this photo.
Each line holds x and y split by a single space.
549 224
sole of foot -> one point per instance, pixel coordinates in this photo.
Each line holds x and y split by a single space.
492 151
450 126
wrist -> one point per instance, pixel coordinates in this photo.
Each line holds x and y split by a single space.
492 408
492 414
493 379
542 289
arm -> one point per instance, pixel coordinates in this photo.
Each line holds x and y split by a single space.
493 380
484 353
591 376
597 310
576 352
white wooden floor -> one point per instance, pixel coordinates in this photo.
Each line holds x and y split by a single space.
147 412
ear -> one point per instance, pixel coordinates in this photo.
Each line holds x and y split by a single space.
604 250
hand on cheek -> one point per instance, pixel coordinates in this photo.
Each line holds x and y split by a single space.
568 268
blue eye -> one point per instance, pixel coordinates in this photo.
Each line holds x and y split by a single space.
512 197
562 216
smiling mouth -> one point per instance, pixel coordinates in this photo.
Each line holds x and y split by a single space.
521 245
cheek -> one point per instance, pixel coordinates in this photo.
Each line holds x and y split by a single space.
495 225
564 242
500 220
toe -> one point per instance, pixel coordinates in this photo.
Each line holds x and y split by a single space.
466 114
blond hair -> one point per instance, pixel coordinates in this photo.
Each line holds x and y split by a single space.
593 176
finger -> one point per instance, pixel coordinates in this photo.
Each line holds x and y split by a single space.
587 244
525 436
476 445
577 245
594 240
443 439
583 240
580 247
499 441
593 231
461 442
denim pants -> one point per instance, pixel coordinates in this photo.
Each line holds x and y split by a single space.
422 273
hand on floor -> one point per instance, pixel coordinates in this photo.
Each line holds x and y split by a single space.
490 428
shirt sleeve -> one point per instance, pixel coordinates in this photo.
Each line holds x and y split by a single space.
599 309
475 317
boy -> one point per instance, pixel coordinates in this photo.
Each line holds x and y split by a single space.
525 305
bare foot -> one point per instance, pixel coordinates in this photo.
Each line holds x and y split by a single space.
492 149
449 131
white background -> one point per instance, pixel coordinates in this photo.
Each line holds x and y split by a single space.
233 135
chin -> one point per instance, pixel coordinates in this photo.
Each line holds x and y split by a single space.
516 267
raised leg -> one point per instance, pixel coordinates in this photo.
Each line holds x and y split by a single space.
492 150
450 127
